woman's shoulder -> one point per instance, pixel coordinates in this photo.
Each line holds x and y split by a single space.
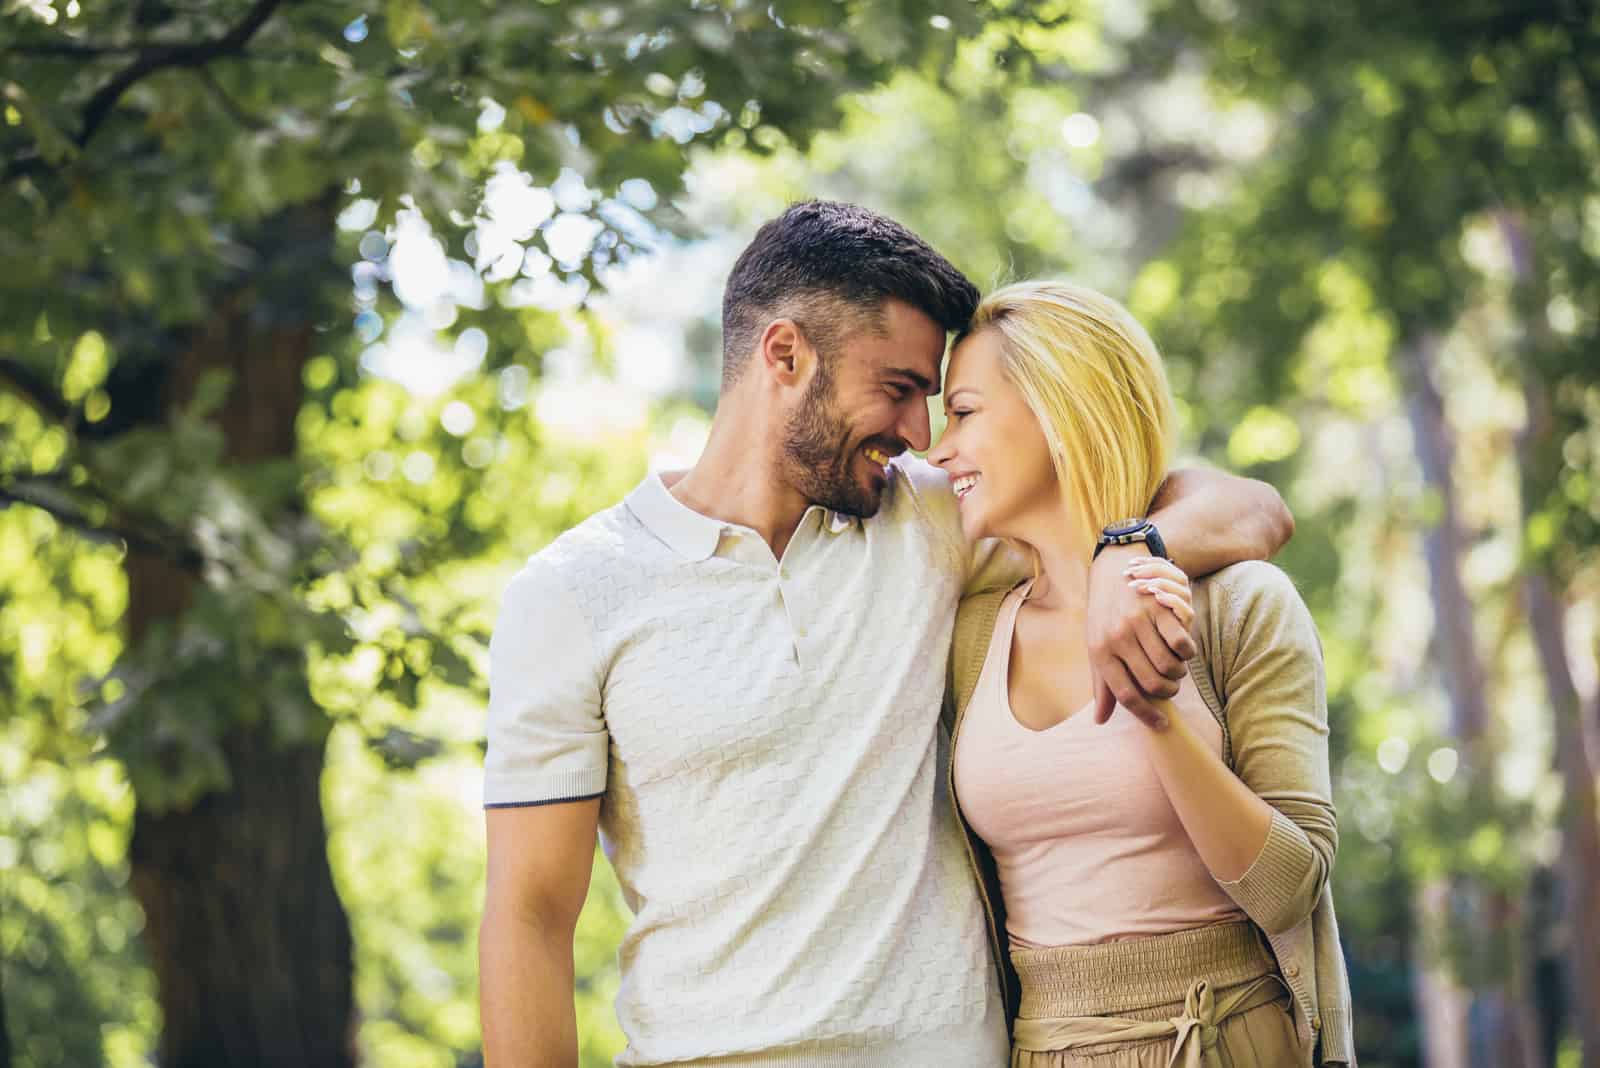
1248 586
1251 605
976 617
984 605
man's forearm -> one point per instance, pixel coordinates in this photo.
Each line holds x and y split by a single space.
525 984
1209 520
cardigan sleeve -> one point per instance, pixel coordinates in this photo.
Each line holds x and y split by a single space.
1275 692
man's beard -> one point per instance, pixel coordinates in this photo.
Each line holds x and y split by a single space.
819 458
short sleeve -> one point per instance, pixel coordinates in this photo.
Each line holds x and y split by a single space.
547 739
987 564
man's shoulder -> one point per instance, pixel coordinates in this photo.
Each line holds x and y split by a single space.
919 493
919 479
605 540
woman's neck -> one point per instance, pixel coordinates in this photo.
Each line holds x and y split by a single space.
1063 582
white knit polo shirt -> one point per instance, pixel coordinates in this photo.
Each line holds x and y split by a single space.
765 738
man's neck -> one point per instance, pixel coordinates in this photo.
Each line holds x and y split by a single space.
736 480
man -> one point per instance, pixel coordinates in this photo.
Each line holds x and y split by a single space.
736 676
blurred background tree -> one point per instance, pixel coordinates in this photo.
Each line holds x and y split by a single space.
340 312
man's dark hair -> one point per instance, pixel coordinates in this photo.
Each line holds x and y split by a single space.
830 266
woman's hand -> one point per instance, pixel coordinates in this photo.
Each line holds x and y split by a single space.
1138 647
1169 586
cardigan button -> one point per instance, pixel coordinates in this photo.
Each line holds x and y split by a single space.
1292 971
1316 1023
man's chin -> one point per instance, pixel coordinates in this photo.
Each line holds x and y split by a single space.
862 502
862 507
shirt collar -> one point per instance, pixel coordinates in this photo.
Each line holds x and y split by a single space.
688 532
685 530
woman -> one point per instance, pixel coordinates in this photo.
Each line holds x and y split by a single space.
1161 893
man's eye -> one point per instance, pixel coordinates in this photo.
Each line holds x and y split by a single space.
899 392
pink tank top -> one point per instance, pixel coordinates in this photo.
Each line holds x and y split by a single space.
1087 845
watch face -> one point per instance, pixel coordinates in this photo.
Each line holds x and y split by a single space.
1123 526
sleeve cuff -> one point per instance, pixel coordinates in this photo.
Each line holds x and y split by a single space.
1335 1030
1267 889
512 791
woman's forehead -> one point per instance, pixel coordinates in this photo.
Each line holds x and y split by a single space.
974 361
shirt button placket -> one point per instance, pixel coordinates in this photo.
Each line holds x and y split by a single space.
797 627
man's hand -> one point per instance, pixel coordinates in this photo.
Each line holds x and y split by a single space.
1139 642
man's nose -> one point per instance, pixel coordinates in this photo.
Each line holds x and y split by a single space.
942 452
916 430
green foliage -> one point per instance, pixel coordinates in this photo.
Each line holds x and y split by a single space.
172 175
68 930
166 163
1288 194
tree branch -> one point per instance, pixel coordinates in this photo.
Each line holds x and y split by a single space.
180 554
150 59
161 57
33 387
226 102
23 166
76 49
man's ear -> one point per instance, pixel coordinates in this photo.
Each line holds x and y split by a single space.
786 355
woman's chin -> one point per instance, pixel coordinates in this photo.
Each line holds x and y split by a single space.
973 527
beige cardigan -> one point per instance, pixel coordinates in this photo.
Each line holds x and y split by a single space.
1260 672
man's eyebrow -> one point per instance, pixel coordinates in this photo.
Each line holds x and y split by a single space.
917 378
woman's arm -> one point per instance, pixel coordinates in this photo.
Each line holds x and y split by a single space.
1267 830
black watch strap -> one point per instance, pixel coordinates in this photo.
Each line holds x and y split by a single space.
1128 533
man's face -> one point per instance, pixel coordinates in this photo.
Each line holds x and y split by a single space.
866 404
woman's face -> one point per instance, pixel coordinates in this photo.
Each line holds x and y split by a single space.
992 446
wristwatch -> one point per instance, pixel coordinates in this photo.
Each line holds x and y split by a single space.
1128 531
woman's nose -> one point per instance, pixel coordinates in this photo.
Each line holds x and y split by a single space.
942 452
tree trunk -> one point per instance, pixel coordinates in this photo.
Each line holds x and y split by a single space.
250 944
1494 1027
1442 546
1442 1002
1540 454
5 1040
1580 819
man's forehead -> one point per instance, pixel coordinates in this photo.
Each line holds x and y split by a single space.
889 357
910 341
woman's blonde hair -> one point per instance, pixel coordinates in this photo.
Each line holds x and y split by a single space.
1096 383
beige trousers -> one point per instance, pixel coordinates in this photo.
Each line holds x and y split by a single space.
1205 998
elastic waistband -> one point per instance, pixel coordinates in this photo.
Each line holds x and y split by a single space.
1137 973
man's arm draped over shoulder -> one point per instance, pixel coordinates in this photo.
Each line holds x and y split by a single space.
1216 519
543 775
1208 520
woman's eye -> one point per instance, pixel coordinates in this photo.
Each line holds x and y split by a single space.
957 413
